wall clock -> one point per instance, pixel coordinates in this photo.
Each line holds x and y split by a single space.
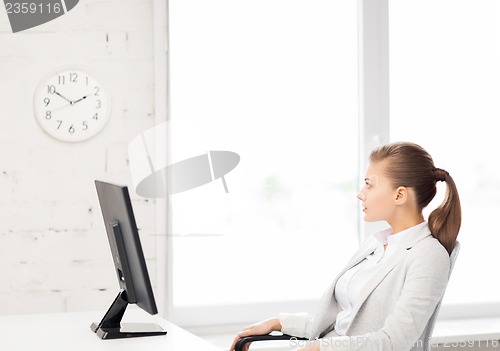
72 104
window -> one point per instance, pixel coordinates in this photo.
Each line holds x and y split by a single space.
274 81
444 96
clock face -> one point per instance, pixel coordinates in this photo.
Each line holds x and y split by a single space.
72 104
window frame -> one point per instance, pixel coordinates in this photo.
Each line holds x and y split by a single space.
374 129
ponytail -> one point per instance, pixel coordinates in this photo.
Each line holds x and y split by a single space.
444 221
411 165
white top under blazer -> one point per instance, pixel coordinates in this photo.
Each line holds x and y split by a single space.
351 283
397 289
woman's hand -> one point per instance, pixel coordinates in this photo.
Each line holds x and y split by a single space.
311 347
261 328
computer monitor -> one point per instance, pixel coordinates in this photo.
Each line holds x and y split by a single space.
130 266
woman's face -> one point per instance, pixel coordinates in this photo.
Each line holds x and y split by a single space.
377 195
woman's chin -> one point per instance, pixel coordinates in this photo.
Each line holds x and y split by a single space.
367 218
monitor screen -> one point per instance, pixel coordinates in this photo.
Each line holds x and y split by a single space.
129 262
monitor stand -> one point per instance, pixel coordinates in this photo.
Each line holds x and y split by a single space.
111 327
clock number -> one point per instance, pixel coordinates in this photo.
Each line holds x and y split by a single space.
71 129
87 80
59 126
46 101
73 77
96 91
95 117
51 89
98 103
48 115
85 125
61 79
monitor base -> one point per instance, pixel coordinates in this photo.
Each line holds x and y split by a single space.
111 327
128 330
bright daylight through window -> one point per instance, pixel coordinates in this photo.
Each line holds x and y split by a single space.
276 83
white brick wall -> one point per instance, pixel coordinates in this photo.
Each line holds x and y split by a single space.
54 254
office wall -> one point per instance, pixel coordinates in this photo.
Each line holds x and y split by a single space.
54 253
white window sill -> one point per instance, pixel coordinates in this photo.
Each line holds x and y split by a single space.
466 329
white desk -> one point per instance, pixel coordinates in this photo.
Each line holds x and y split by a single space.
71 331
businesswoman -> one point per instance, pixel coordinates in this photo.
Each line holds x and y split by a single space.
385 295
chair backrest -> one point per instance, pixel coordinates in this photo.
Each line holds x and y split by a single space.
425 339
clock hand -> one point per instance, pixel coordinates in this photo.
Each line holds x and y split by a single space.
71 102
86 96
60 107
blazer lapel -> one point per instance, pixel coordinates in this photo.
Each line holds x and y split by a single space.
328 309
360 255
387 267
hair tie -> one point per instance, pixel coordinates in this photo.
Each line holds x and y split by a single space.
440 174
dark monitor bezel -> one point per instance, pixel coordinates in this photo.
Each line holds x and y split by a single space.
129 262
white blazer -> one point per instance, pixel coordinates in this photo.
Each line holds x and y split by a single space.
395 304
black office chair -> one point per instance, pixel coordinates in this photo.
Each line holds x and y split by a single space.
424 340
247 339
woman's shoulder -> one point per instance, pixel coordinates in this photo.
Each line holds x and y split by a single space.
429 249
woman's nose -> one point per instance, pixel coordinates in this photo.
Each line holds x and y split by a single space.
361 196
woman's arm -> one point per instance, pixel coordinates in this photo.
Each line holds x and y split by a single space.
296 324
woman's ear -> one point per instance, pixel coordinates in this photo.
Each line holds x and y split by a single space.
401 195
